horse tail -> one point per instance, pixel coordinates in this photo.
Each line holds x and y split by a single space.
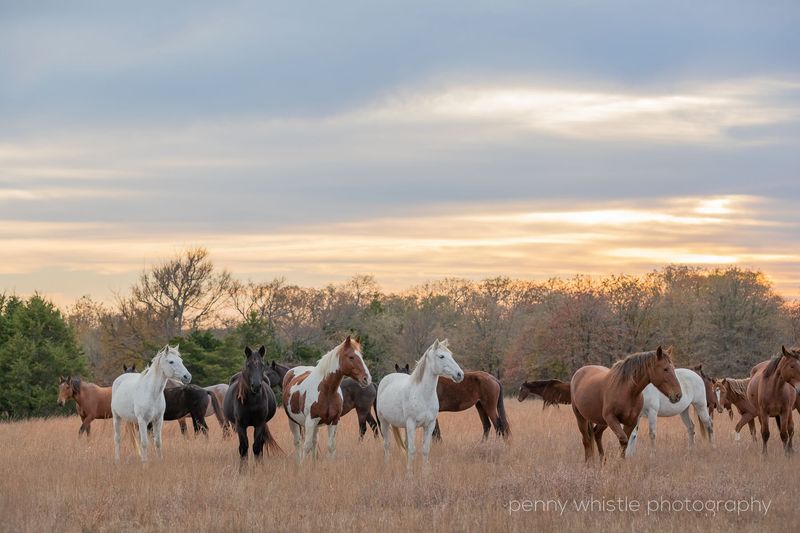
398 438
217 409
133 431
270 443
501 412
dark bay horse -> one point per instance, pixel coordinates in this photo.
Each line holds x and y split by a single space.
551 391
773 391
479 389
354 396
733 392
711 396
612 397
91 401
194 401
251 402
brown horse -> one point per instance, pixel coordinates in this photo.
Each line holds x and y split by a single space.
711 396
479 389
91 401
603 397
733 392
551 391
773 391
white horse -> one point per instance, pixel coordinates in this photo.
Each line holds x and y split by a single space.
410 401
140 397
693 393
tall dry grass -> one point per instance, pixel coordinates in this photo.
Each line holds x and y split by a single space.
50 480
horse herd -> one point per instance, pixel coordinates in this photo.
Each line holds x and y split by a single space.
641 385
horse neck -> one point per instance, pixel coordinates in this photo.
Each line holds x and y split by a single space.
634 387
427 384
330 383
776 381
154 381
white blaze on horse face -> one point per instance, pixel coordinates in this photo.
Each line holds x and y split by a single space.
366 369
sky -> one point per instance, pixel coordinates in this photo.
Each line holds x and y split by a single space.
408 140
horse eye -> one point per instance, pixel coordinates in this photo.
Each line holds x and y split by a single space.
172 362
441 357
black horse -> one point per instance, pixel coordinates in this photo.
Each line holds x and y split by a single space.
251 402
187 400
354 396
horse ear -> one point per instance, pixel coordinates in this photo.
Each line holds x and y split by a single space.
698 368
408 368
659 353
274 367
396 367
133 367
358 339
262 351
62 379
436 344
347 341
247 351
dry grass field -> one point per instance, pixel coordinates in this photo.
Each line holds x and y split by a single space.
50 480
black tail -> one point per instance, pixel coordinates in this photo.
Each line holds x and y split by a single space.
377 427
217 409
505 428
271 444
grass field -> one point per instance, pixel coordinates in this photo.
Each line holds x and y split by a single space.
50 480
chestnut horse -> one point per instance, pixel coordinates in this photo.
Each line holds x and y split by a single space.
551 391
712 401
733 392
312 395
91 401
773 391
478 388
612 397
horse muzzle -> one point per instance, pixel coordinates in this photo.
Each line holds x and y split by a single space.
675 398
365 381
459 377
186 378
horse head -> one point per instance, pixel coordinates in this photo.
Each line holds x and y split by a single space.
275 374
128 369
402 369
169 361
253 369
790 365
661 372
65 389
351 362
442 363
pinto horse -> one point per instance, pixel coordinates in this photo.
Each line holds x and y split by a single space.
773 391
249 401
410 401
551 391
354 396
91 401
479 389
612 397
733 392
312 396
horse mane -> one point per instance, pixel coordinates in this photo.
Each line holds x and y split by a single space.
241 390
329 361
153 361
76 385
737 388
772 366
633 366
422 364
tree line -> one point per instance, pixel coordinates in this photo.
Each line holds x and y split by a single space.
726 318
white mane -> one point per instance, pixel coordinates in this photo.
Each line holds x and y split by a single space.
329 362
419 368
163 352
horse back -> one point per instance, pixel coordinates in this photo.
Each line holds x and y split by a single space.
475 386
587 390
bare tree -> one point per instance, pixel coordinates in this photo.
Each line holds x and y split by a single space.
186 290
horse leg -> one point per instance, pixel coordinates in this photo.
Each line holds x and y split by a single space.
790 430
411 428
621 433
687 421
630 451
783 424
309 439
652 422
315 442
182 424
86 426
332 439
764 419
297 438
707 419
426 443
259 434
158 425
598 430
749 419
143 439
242 432
362 424
385 429
117 436
372 424
586 435
484 420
